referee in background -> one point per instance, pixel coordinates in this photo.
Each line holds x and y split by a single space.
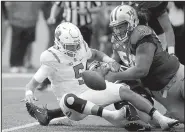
77 12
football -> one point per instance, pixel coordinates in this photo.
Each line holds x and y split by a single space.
94 80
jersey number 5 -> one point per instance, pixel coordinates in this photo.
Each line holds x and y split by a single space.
78 74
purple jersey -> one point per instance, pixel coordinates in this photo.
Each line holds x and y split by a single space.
163 67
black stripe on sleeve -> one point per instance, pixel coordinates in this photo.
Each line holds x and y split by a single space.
78 15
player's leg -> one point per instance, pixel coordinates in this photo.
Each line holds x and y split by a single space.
145 106
103 97
174 99
76 109
162 38
70 102
112 91
109 96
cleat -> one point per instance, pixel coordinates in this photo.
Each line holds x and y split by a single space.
40 114
134 122
167 124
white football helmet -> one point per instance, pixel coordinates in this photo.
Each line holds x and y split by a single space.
123 20
68 38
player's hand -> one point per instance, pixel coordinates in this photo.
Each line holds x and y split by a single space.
103 69
110 77
51 21
114 66
29 97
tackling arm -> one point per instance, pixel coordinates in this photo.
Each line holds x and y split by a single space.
144 58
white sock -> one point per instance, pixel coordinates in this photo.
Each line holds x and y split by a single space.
158 116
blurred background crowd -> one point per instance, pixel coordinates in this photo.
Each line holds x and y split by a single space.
28 29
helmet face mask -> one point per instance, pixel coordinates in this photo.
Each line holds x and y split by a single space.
68 39
123 20
121 31
72 49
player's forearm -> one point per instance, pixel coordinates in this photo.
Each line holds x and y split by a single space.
31 86
170 37
116 57
170 41
132 73
38 78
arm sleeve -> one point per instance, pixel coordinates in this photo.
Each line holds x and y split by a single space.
43 72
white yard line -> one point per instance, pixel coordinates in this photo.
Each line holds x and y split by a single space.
29 125
20 127
65 121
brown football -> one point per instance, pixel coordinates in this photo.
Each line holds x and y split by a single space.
94 80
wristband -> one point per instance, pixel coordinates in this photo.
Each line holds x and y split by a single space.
171 50
28 92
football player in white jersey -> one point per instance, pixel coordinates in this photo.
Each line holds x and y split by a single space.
63 64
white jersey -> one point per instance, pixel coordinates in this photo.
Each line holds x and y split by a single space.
67 71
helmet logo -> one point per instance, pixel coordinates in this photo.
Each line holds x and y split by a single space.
74 33
130 13
57 34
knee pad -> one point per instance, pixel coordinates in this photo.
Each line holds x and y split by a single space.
74 103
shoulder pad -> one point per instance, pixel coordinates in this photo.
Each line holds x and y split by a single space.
47 56
140 32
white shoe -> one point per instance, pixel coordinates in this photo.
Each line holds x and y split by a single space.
119 117
168 123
